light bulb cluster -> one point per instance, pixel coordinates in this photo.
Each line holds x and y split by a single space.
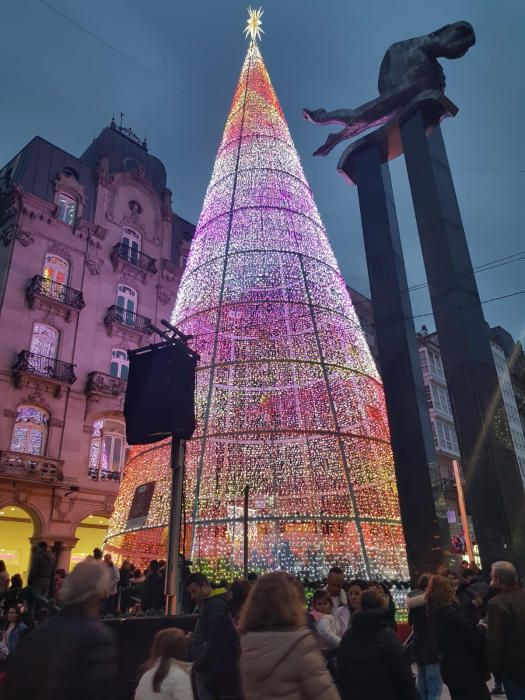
288 399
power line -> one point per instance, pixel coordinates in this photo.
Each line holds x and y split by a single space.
469 306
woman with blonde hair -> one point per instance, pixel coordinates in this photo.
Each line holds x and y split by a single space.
280 657
460 642
167 674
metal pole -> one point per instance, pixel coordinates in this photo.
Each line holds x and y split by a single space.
245 529
173 563
462 510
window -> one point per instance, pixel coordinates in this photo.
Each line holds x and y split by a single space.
441 399
66 209
126 303
56 276
30 431
446 437
107 449
44 340
434 362
131 240
119 363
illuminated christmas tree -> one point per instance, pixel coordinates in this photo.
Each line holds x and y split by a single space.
289 401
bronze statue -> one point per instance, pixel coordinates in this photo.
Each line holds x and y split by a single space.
408 68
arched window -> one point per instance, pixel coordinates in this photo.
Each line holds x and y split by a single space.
119 363
56 276
107 449
127 303
44 340
66 208
30 431
132 242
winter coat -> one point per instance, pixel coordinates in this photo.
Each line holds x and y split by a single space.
344 618
69 657
425 640
371 663
284 665
211 610
222 673
175 686
506 635
115 578
42 564
152 596
12 638
461 646
327 627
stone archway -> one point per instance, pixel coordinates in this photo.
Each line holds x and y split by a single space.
18 528
90 533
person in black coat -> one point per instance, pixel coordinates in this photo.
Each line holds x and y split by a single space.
152 596
72 656
461 643
224 646
370 662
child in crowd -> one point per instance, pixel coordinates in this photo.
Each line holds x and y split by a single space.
167 673
325 623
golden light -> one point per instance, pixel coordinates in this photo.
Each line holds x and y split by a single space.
253 25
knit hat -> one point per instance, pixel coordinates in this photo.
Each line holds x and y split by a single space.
89 580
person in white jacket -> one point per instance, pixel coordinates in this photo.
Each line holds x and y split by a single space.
326 624
168 675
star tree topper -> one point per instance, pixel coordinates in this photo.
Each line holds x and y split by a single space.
253 25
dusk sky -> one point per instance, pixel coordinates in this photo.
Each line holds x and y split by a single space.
172 68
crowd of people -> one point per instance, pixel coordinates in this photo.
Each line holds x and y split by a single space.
264 638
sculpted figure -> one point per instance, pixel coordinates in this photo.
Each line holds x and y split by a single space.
408 68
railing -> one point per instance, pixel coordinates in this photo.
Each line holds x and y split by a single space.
53 290
43 366
103 475
116 314
133 257
100 383
25 466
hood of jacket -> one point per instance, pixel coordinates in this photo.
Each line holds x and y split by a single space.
265 651
370 621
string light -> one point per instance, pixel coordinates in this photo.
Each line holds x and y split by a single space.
288 398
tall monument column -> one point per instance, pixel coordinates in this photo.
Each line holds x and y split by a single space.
410 427
494 487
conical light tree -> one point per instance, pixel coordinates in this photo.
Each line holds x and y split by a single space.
289 400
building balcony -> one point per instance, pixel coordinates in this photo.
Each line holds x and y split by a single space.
105 384
123 256
27 467
103 475
122 319
29 367
58 298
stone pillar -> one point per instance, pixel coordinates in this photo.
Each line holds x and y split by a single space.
64 555
494 487
410 427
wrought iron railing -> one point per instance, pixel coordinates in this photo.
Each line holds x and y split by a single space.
100 383
50 289
116 314
133 257
43 366
103 475
34 467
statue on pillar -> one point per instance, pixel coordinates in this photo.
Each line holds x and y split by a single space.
408 68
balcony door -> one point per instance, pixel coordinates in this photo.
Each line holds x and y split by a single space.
126 304
131 242
44 341
56 276
30 431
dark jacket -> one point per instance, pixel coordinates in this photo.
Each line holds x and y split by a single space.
506 635
152 596
211 610
223 673
42 564
425 640
69 657
461 645
371 663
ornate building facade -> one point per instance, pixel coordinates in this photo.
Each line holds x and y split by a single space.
91 255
